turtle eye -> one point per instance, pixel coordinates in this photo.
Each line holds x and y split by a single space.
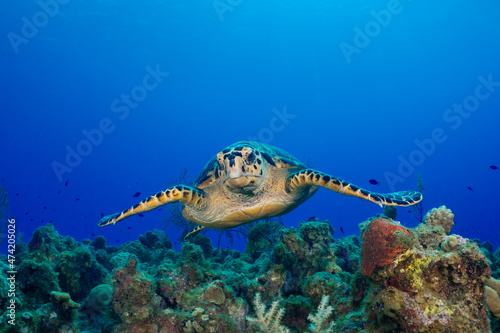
220 159
251 158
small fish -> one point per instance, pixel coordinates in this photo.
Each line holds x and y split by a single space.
493 167
66 184
374 182
341 230
77 199
313 219
102 215
129 228
136 194
44 207
59 191
470 188
26 213
17 194
141 215
31 219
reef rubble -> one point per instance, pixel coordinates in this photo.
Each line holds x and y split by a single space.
391 279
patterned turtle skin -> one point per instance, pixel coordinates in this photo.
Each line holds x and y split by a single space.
249 181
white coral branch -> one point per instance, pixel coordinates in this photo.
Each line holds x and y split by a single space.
318 320
268 321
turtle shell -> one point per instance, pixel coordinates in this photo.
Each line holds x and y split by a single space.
273 156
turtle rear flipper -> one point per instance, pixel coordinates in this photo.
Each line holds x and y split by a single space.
108 219
186 195
311 177
194 232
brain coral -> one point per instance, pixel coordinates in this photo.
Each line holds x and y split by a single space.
99 297
119 260
441 216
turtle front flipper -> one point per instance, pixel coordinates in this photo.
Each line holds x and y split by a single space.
186 195
311 177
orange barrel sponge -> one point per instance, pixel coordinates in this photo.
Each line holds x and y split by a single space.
383 241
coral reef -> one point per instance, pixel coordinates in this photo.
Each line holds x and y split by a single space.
319 320
270 320
413 289
135 301
383 241
4 210
99 298
398 279
493 296
441 216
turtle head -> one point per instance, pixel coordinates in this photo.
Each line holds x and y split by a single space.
241 167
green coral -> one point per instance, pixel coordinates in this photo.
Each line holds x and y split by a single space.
4 211
423 289
79 272
214 294
99 297
64 301
263 237
39 279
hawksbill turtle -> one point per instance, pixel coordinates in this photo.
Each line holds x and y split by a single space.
249 181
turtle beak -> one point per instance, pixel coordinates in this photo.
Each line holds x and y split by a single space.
235 167
238 173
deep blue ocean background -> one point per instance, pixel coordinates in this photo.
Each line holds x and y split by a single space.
360 88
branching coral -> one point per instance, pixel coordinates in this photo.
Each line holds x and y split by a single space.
318 320
441 216
268 321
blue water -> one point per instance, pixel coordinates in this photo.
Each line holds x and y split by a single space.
363 89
